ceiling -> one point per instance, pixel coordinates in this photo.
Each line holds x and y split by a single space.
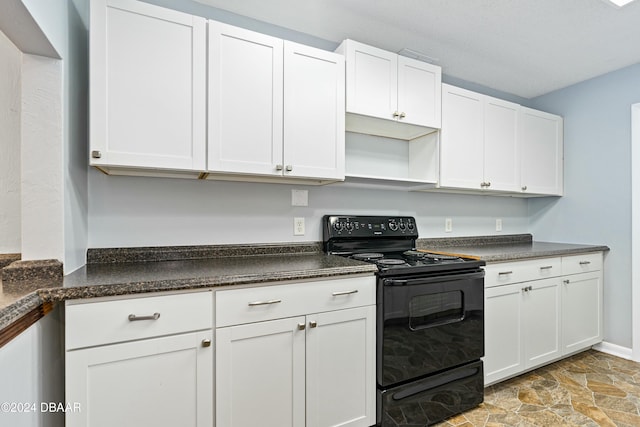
523 47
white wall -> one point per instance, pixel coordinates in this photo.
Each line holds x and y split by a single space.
596 207
10 100
41 159
64 170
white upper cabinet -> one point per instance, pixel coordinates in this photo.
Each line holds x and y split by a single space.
501 146
403 92
314 134
147 87
245 101
479 147
276 108
541 137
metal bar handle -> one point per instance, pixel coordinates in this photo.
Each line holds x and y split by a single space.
335 294
546 267
438 279
585 262
272 301
502 273
154 316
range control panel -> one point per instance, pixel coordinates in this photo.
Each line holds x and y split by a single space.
336 226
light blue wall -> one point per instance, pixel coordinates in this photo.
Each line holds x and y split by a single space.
596 207
136 211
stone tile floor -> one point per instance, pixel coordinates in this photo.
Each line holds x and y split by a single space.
588 389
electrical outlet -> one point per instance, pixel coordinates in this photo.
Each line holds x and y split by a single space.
448 225
298 226
499 224
299 198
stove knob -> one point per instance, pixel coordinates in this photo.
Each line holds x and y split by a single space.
337 226
393 226
410 226
349 226
402 225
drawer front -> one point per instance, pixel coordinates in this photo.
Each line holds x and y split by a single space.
105 322
505 273
583 263
238 306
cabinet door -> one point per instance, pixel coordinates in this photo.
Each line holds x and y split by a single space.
161 382
461 145
314 112
581 311
148 86
502 335
245 101
501 154
260 374
419 92
541 321
341 368
372 80
541 145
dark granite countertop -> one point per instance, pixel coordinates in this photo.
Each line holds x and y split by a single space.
110 272
174 272
505 248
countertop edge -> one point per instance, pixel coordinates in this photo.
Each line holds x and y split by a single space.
543 254
132 288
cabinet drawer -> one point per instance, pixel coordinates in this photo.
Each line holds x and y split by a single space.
521 271
581 263
96 323
238 306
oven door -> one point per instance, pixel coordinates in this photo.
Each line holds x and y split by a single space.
428 324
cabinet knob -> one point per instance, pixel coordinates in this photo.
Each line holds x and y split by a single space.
301 326
96 154
566 282
313 324
206 343
403 115
524 188
489 184
396 114
527 288
289 168
278 167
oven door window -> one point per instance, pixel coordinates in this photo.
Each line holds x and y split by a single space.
435 309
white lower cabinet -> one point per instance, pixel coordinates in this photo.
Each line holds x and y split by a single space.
315 369
538 311
522 327
541 321
134 371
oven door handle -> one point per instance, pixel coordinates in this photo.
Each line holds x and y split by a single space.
436 382
435 279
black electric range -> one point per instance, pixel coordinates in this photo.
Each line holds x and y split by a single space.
430 319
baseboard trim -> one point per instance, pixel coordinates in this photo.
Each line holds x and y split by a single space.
614 349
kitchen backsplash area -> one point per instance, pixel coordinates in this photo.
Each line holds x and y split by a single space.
138 211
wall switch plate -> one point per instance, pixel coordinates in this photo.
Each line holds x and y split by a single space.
499 224
298 226
448 225
299 197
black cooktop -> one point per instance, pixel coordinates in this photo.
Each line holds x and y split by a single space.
387 241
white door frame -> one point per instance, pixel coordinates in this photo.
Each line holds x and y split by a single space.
635 231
